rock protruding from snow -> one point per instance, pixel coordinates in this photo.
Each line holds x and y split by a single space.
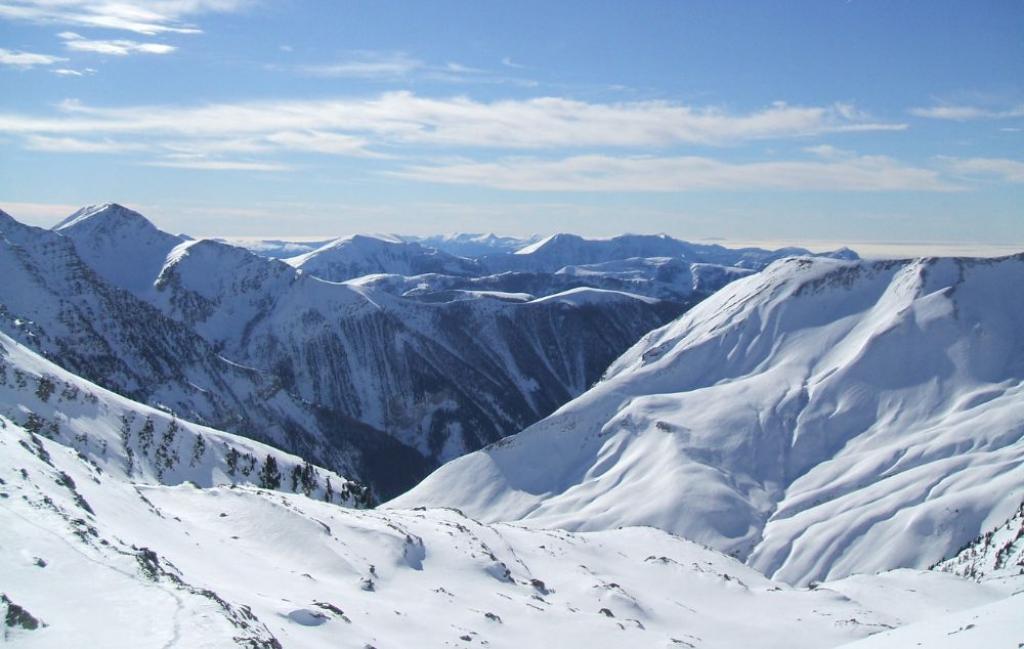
818 419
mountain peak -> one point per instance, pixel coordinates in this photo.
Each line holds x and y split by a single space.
103 215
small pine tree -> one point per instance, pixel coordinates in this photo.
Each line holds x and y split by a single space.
270 475
309 479
329 491
198 449
231 458
45 388
34 423
146 435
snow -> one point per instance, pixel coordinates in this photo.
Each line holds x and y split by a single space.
122 246
819 419
153 565
584 295
110 432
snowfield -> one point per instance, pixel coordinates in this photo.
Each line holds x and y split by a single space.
148 565
819 419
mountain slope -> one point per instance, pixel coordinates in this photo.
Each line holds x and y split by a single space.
358 255
121 245
141 563
119 439
818 419
54 303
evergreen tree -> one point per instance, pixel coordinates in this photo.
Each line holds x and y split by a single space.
270 475
45 388
232 458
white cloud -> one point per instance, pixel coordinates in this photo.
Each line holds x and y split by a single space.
600 173
148 17
70 72
366 65
27 59
404 119
119 47
828 151
1001 168
75 145
966 113
509 63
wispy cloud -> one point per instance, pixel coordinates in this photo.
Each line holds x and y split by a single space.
71 72
963 113
27 59
148 17
999 168
366 65
509 63
403 119
119 47
388 66
204 164
75 145
601 173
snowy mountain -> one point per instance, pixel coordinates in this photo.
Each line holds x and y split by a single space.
818 419
442 377
464 244
143 560
275 248
57 305
360 255
560 250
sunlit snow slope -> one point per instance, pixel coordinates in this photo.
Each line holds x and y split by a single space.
95 556
818 419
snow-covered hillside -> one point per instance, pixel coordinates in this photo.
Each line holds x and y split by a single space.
818 419
124 440
96 556
995 555
355 256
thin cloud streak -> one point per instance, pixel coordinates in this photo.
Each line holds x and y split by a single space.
402 118
118 47
27 59
218 165
966 113
599 173
146 17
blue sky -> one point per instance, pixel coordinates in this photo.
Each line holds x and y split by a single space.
814 121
